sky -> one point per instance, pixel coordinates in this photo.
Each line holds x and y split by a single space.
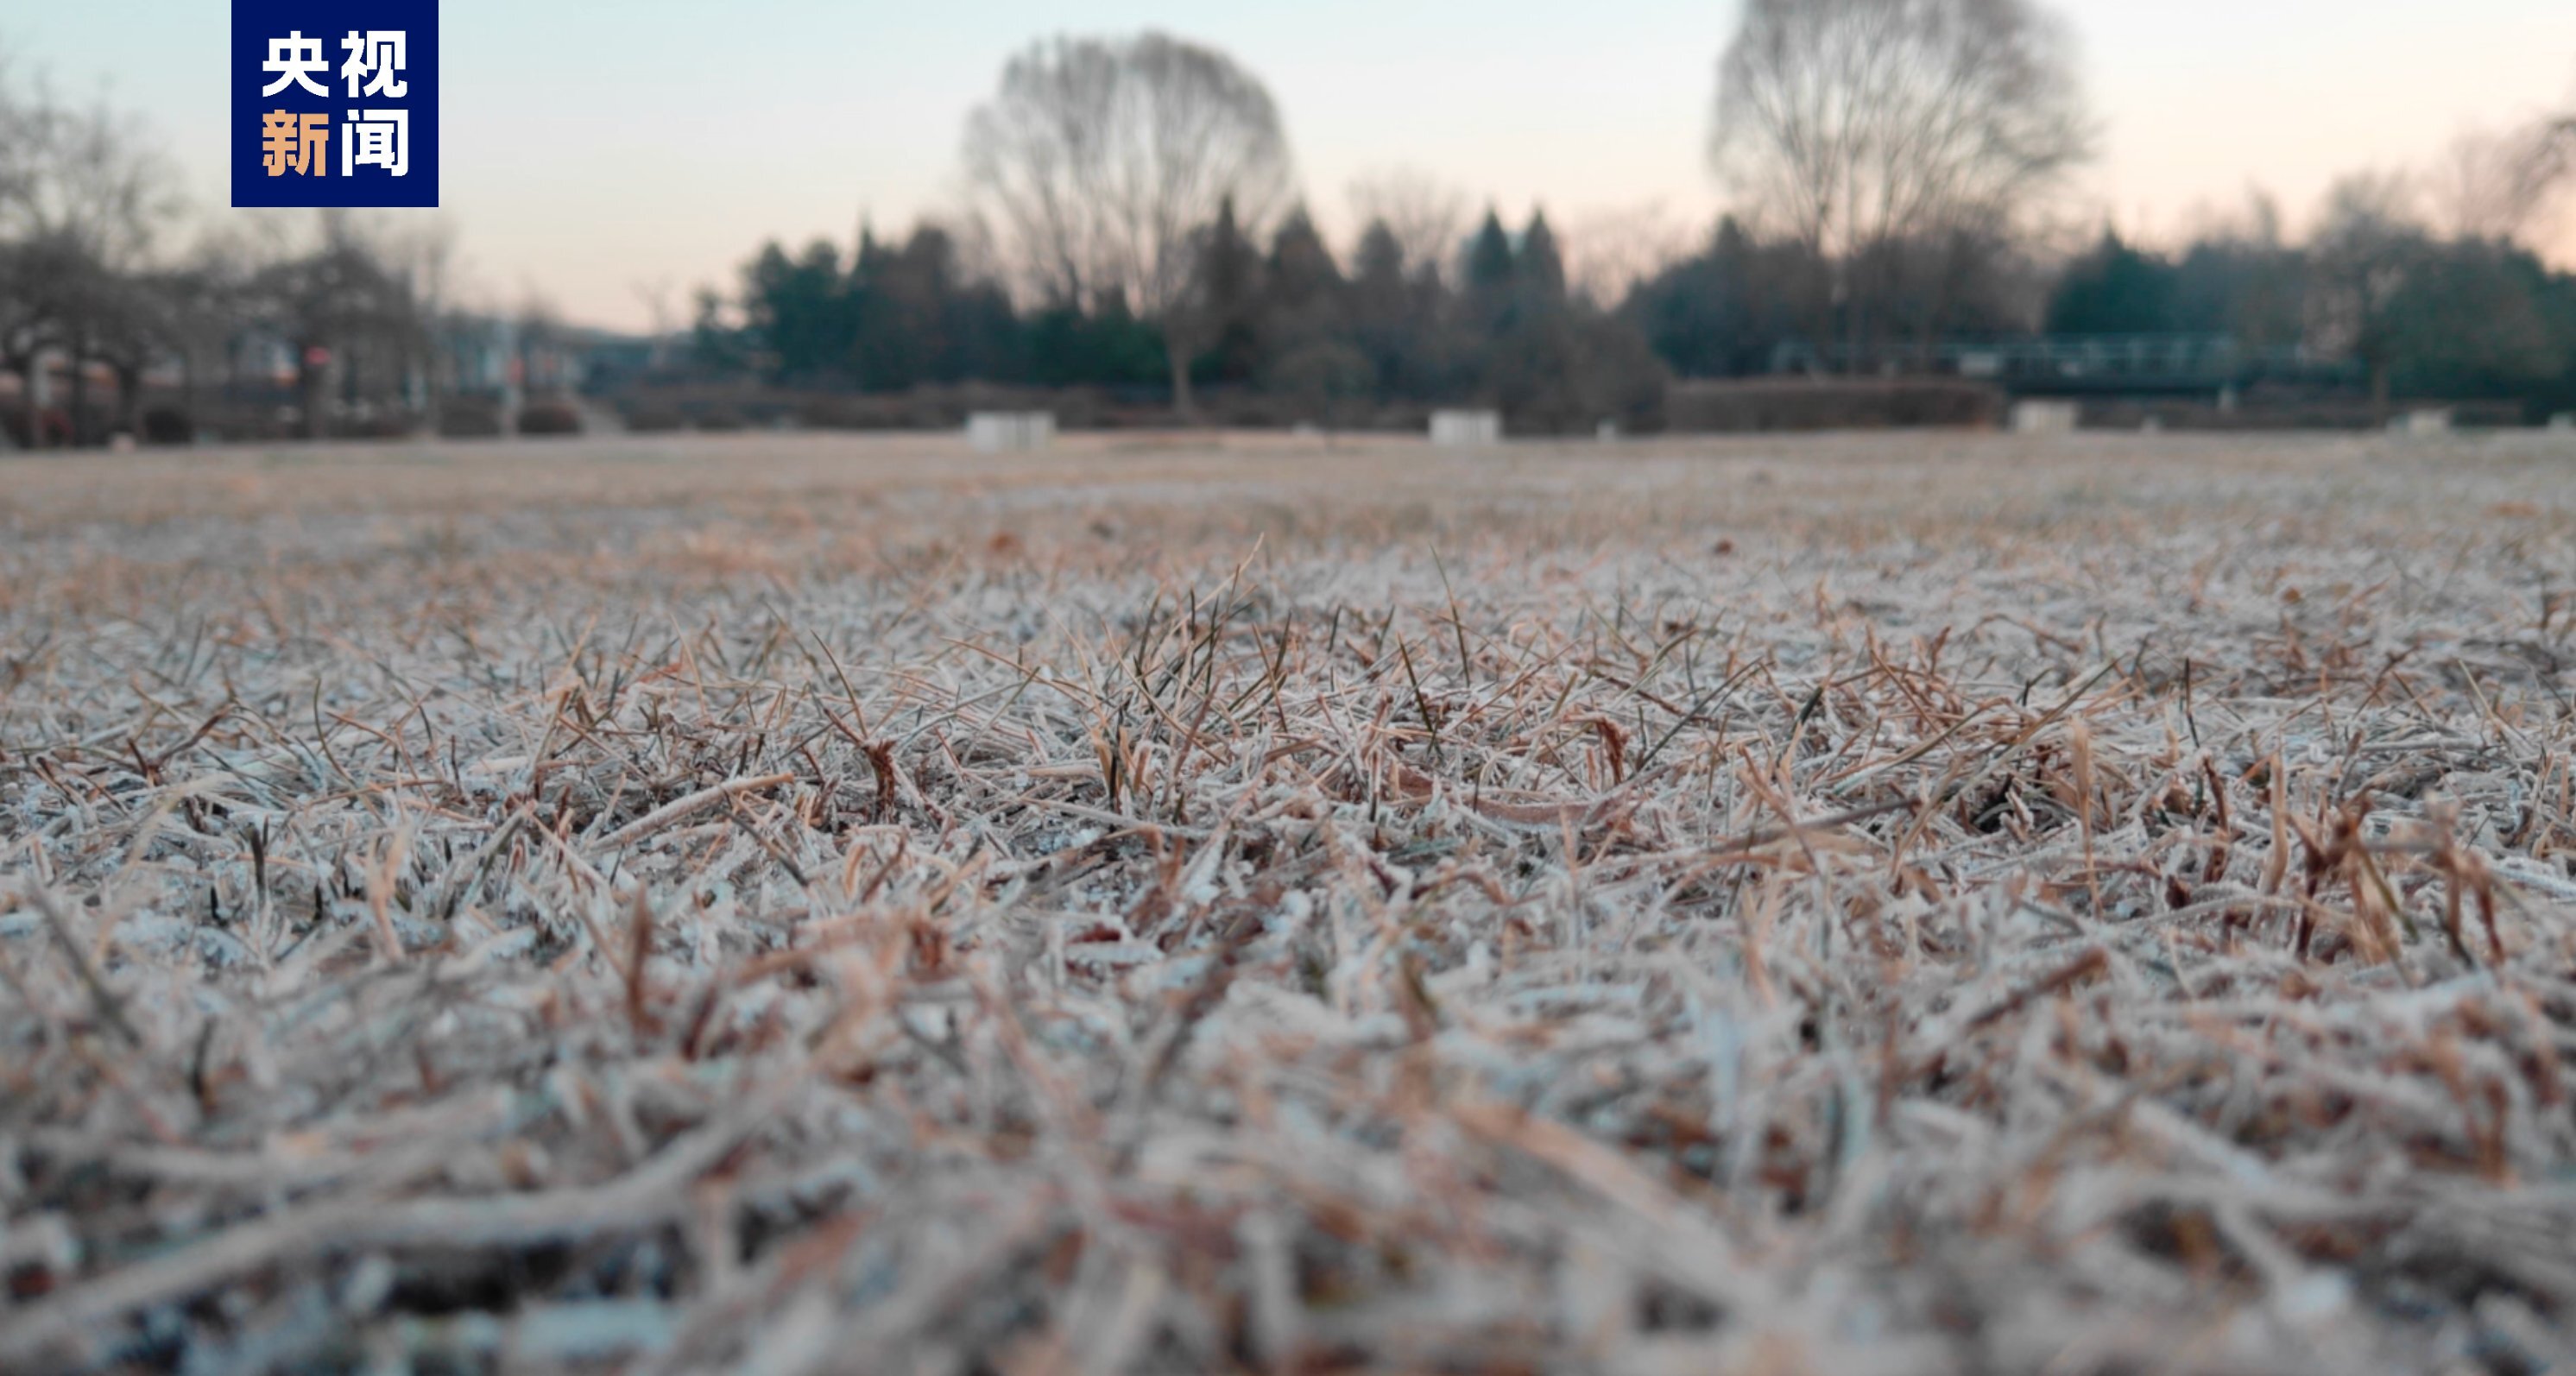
605 155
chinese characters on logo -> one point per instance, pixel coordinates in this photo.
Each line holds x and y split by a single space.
334 103
299 143
295 58
377 59
289 142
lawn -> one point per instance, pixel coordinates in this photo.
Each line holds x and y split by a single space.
805 903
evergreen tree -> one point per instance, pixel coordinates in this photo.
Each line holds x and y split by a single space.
2253 290
1538 269
1302 291
1378 284
797 311
886 353
1109 348
1487 291
1383 318
1551 364
1213 331
2115 289
2483 321
1731 311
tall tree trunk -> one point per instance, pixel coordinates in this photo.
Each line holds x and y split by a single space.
1944 288
129 398
1823 324
308 391
188 387
1179 352
441 374
80 391
30 414
1858 325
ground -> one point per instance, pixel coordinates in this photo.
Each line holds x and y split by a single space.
798 903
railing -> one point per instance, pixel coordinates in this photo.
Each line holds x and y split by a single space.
2094 363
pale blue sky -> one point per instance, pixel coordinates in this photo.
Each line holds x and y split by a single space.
591 146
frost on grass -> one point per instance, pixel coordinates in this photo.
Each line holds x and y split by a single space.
1905 905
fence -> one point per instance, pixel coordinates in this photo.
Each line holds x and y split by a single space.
2045 417
995 432
1466 428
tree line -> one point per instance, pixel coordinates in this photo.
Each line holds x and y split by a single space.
1902 168
1132 226
2461 315
1278 318
120 315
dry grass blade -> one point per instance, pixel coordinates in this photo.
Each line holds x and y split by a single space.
799 903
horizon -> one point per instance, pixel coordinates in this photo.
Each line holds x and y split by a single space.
552 160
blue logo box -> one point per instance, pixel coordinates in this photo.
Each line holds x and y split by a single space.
335 103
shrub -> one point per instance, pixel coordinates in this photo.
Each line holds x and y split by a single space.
1831 404
851 413
53 426
379 426
650 417
168 425
549 418
1564 372
469 420
1325 382
2262 411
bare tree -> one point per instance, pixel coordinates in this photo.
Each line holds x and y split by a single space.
1853 124
1098 160
2368 240
26 314
2501 185
83 198
539 330
1610 251
340 301
420 251
655 295
98 196
207 307
1427 217
29 322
